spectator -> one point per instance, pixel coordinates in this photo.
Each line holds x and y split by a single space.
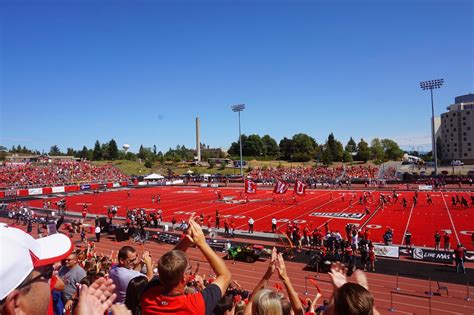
264 302
251 222
71 274
437 238
135 288
459 255
166 293
97 233
408 238
447 241
274 225
350 298
128 267
25 287
267 302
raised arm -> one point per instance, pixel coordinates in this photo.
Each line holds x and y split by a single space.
292 295
263 282
223 275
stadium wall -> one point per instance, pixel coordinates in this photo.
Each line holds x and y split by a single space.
57 189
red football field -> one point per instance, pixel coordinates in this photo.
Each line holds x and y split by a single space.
315 209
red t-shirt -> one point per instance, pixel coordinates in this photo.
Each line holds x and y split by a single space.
459 253
201 303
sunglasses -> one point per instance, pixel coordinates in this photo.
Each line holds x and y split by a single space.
45 273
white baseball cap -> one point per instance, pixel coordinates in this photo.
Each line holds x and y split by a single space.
20 253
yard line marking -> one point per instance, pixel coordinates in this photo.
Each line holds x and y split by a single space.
450 218
408 223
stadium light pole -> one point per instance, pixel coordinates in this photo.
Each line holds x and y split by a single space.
431 85
238 108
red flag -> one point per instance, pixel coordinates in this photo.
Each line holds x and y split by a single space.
300 188
250 187
281 187
313 281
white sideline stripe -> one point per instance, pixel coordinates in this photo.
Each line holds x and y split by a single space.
408 223
450 218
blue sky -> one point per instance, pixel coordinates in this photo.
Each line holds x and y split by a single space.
141 71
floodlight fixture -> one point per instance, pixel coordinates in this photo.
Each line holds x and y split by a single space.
431 85
238 107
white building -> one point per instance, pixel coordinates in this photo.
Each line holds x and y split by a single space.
457 130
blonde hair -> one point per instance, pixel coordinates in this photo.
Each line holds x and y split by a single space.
239 308
266 302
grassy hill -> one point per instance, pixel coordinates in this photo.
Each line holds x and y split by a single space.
136 168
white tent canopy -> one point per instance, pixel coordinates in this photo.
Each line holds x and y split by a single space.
153 177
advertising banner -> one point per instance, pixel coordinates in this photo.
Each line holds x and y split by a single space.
387 251
425 187
58 189
85 187
10 193
432 255
35 191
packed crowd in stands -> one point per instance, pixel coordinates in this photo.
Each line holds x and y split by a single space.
30 175
83 281
312 175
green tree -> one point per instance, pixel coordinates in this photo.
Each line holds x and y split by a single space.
392 150
339 151
326 155
351 146
105 151
142 153
235 146
363 151
212 163
305 148
97 154
270 146
377 150
331 146
287 148
70 152
54 150
112 150
148 163
253 146
83 154
347 156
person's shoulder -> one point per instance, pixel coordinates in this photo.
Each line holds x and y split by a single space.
152 285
